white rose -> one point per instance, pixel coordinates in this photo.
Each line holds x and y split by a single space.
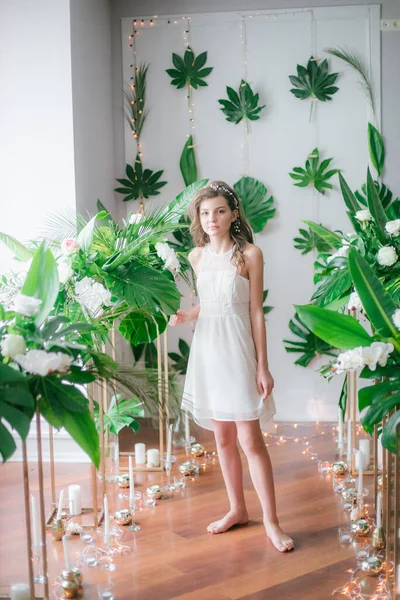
70 245
40 362
339 253
64 272
363 215
396 318
387 256
135 218
393 227
26 305
167 254
355 302
11 345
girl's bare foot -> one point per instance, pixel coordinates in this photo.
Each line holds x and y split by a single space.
229 520
280 540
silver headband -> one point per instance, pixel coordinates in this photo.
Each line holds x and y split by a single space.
217 187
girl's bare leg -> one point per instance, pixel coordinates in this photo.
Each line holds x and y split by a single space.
231 466
252 442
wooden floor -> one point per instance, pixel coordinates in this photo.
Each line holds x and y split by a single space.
173 556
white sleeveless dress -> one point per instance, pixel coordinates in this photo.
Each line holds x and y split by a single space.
221 375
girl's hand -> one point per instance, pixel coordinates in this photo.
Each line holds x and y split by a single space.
265 382
180 317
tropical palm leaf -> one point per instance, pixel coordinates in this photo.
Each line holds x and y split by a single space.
61 225
314 173
180 360
334 287
314 81
376 148
257 207
310 347
140 184
266 308
120 413
385 195
189 70
309 241
135 99
330 237
241 105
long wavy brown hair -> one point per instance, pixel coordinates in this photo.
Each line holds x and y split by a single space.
239 238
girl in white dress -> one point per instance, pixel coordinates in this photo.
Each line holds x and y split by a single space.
228 385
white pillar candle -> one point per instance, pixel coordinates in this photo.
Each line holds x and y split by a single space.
153 457
360 474
169 444
349 440
379 510
379 457
60 504
131 480
106 519
187 429
66 552
340 428
140 454
75 502
365 448
20 591
35 522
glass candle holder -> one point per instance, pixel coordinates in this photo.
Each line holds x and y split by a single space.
179 482
338 485
324 467
345 535
362 550
148 500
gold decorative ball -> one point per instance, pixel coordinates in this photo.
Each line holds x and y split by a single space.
360 527
68 575
123 480
339 468
372 566
123 516
155 491
187 468
57 529
70 589
349 494
197 450
77 574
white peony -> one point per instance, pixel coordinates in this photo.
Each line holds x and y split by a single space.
135 218
26 305
92 295
64 272
355 302
387 256
40 362
396 318
167 254
342 252
393 227
11 345
363 215
70 245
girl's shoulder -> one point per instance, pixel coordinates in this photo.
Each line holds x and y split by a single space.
252 252
195 255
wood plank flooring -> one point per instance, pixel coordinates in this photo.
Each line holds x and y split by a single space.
173 557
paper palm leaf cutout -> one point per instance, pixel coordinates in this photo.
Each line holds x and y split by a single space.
241 105
140 184
180 360
189 70
314 173
314 81
310 240
257 207
135 99
266 308
310 345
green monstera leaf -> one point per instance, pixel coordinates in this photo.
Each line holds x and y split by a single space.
140 183
241 105
257 207
314 174
189 70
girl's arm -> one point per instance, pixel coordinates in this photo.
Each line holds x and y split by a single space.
255 267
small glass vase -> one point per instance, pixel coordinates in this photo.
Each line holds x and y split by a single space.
111 457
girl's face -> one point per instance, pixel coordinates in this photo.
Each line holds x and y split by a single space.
216 217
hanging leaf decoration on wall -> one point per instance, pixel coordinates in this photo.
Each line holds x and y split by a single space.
188 162
308 240
241 105
189 70
314 174
376 148
257 207
140 183
314 82
310 345
135 98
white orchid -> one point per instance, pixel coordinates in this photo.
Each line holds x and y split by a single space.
387 256
355 302
396 318
363 215
92 295
12 345
393 227
167 254
40 362
348 361
376 353
26 305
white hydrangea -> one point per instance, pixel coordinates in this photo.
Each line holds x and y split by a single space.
167 254
363 215
40 362
341 252
387 256
26 305
376 353
355 302
11 345
92 295
393 227
65 272
396 318
135 218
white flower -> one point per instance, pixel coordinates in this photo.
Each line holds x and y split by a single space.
73 528
135 218
396 318
64 272
42 363
26 305
376 353
339 253
349 360
92 295
70 245
393 227
167 254
355 302
387 256
363 215
11 345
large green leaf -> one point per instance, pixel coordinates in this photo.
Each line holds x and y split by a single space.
377 410
340 331
333 288
343 396
376 209
314 81
188 162
140 183
375 393
42 282
309 240
257 207
135 101
180 360
85 237
16 409
189 70
19 250
391 372
377 303
314 173
376 148
141 326
331 238
120 413
310 346
241 105
389 432
348 196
